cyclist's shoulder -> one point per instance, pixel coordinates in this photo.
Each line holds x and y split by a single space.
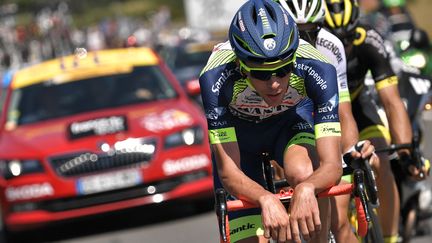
222 54
370 44
326 35
367 36
307 52
331 46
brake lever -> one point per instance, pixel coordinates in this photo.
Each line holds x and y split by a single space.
360 192
416 154
372 188
363 164
221 212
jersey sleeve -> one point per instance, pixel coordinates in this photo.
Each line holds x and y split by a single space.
331 46
216 84
322 88
373 52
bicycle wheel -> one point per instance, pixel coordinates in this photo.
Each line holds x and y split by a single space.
374 234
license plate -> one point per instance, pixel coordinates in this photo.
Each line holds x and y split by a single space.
109 181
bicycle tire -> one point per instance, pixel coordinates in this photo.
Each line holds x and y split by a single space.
374 234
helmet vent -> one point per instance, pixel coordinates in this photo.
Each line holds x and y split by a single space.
267 36
291 6
317 8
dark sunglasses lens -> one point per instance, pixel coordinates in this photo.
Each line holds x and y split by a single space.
266 75
284 71
261 75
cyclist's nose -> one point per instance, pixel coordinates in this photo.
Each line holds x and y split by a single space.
274 82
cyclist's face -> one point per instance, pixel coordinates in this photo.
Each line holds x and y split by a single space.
273 89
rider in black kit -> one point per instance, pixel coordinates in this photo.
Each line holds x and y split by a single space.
365 52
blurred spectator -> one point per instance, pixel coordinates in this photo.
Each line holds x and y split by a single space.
95 39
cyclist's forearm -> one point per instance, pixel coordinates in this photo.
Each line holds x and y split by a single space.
232 178
330 169
326 176
349 129
400 127
241 186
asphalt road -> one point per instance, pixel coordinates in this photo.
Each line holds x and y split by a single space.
179 222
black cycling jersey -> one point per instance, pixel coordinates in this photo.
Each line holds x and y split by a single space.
368 53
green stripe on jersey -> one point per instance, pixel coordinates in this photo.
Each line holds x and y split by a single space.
308 51
297 83
219 58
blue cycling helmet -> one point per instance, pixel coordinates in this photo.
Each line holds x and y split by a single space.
263 32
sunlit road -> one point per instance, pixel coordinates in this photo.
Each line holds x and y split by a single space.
176 222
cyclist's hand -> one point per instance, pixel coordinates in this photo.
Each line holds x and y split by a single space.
304 213
420 174
275 218
366 151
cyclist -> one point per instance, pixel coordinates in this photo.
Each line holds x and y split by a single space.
365 51
266 90
309 16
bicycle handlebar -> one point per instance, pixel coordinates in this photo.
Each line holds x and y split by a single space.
285 197
416 157
222 206
394 147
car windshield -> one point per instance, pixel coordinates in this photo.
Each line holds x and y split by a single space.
184 56
50 99
187 59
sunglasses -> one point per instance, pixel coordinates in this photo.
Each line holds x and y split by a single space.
264 74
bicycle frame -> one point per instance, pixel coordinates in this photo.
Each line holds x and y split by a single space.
358 188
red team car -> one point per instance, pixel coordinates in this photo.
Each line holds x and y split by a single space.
109 131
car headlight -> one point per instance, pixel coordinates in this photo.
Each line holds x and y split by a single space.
188 136
13 168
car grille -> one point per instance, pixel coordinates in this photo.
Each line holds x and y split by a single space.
78 164
59 205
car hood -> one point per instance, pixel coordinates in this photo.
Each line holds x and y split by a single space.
88 131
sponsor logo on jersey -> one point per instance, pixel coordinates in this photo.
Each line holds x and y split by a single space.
374 39
221 80
328 106
312 73
331 47
248 105
222 135
215 113
218 123
329 129
302 126
242 228
330 117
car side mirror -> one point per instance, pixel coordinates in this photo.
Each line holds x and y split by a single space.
193 87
